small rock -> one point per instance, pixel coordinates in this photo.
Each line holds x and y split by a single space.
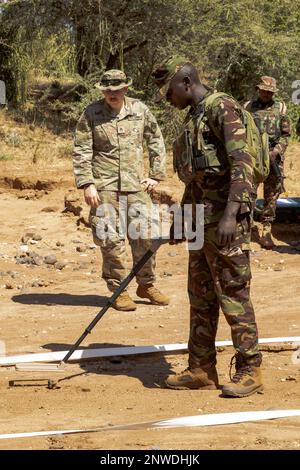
165 273
50 209
50 259
72 204
92 247
172 253
25 238
21 260
9 285
291 378
161 326
58 243
60 265
37 237
24 248
37 260
81 248
76 241
84 265
278 267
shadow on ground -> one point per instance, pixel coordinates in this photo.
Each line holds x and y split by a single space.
61 299
150 369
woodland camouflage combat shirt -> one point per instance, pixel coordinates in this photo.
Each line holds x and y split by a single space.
271 118
225 134
108 148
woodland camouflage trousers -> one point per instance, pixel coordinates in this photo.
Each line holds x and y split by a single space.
220 278
272 190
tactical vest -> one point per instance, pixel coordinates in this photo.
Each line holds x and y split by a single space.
269 120
199 149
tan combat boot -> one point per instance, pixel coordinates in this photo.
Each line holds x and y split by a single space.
124 302
148 291
203 378
246 381
266 240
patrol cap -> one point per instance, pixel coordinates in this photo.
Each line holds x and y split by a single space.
114 80
164 73
267 83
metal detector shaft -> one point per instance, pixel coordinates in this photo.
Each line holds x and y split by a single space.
155 245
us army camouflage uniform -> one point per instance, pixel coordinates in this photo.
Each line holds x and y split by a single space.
272 119
108 152
220 276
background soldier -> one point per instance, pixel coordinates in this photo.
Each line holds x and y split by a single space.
298 127
270 116
108 164
219 273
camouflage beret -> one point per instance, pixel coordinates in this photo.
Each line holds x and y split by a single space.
164 73
267 83
114 80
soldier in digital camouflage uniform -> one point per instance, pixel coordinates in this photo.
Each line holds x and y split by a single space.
270 116
219 273
108 165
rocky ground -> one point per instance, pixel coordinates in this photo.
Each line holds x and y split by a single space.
50 289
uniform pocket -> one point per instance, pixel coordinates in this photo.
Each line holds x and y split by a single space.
236 271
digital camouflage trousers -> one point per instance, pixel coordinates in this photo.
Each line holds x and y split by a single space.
107 233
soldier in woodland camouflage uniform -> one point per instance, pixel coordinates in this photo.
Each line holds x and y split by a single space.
270 116
298 127
219 273
108 165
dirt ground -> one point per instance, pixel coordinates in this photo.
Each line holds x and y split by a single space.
45 307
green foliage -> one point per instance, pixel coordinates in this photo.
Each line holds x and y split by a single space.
294 115
13 138
5 157
232 43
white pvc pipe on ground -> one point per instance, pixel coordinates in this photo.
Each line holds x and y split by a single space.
82 354
218 419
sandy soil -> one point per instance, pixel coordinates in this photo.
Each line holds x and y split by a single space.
45 309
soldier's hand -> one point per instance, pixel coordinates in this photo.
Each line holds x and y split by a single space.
91 196
226 230
149 184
